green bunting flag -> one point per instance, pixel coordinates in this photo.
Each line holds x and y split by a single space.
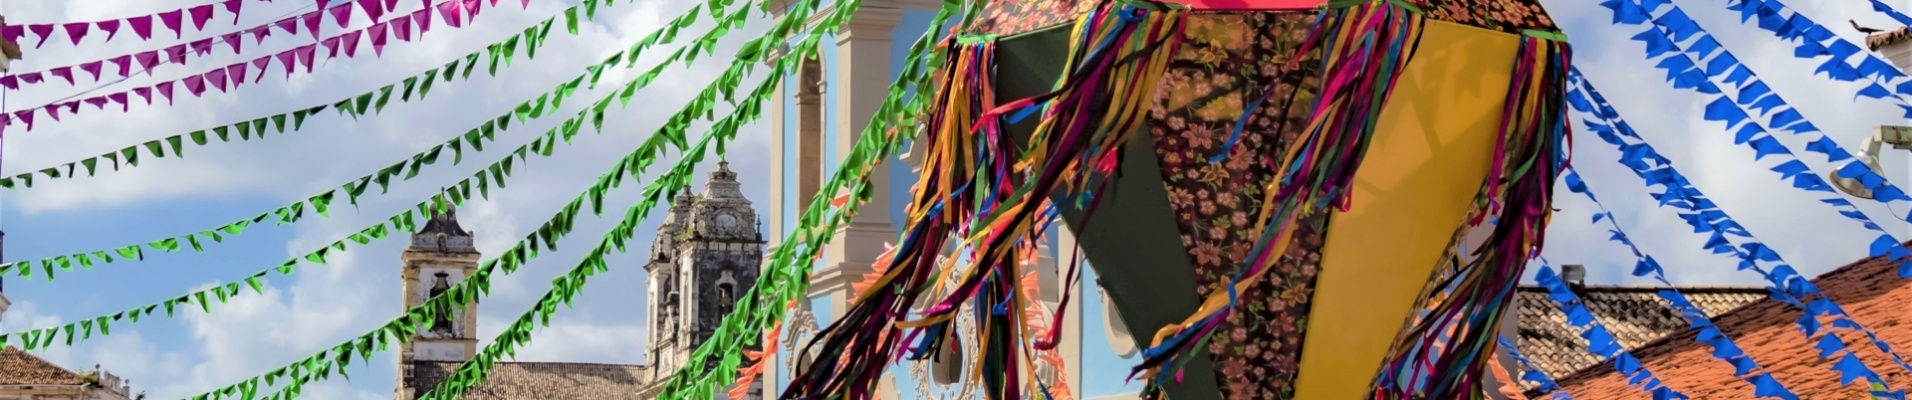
474 138
756 312
371 102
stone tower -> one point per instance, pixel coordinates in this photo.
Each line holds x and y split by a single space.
708 251
440 255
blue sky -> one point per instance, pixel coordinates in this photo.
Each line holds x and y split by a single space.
323 305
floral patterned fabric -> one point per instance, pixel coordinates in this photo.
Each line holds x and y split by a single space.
1005 17
1257 349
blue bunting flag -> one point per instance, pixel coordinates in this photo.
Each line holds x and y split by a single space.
1599 341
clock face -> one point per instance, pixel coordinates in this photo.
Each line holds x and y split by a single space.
726 221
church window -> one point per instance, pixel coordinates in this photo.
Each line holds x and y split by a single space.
725 298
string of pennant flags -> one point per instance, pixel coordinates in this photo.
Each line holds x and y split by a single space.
495 56
378 35
197 85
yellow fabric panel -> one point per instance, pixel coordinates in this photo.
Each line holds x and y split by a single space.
1422 170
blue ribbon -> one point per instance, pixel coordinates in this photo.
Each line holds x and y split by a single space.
1599 340
1705 217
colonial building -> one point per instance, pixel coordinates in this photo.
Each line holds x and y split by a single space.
706 253
26 377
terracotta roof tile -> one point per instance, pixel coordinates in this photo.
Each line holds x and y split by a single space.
19 368
1635 315
543 381
1887 38
1870 290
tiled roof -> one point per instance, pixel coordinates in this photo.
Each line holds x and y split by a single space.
1870 290
1635 316
543 381
19 368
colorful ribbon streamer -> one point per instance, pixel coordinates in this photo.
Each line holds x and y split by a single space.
1443 352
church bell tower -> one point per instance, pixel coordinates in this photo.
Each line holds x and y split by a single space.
708 251
440 255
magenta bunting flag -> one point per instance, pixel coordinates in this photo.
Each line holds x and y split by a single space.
232 7
286 60
77 31
322 3
311 21
289 25
165 89
45 31
92 68
378 39
144 93
350 40
25 117
63 73
217 78
10 82
402 27
13 33
172 20
31 78
200 13
142 26
176 54
472 7
331 46
111 27
260 64
120 98
306 55
53 111
147 60
391 5
195 84
449 11
342 15
374 9
423 19
259 33
238 73
125 63
201 47
98 102
232 40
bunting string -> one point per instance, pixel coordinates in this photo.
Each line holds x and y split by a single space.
405 170
474 372
1363 49
1787 284
1673 26
1443 353
1709 334
198 84
1847 63
1599 340
374 101
405 221
784 281
378 35
317 367
142 25
1763 143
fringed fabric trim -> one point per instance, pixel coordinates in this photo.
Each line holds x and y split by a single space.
1443 352
976 188
1364 48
